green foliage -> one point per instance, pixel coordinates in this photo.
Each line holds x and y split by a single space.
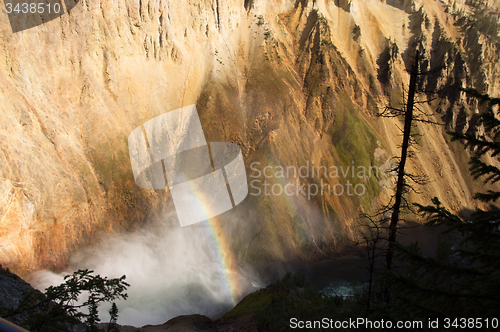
356 32
60 306
427 22
482 144
354 140
323 21
260 20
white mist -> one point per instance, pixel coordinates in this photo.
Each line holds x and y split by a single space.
171 272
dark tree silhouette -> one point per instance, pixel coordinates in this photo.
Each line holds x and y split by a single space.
466 281
389 217
58 308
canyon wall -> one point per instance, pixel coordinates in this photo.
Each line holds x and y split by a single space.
291 82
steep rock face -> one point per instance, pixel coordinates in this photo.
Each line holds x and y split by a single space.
13 291
292 82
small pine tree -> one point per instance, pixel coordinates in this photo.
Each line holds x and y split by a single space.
113 313
59 308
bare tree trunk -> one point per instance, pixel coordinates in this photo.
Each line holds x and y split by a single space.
401 168
372 247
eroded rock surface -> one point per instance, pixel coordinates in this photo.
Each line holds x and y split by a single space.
290 82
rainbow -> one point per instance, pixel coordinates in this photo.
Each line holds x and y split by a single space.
226 259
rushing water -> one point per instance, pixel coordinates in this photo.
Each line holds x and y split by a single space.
340 276
173 272
336 272
179 271
339 288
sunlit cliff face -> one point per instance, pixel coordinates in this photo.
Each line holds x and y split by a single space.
292 83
